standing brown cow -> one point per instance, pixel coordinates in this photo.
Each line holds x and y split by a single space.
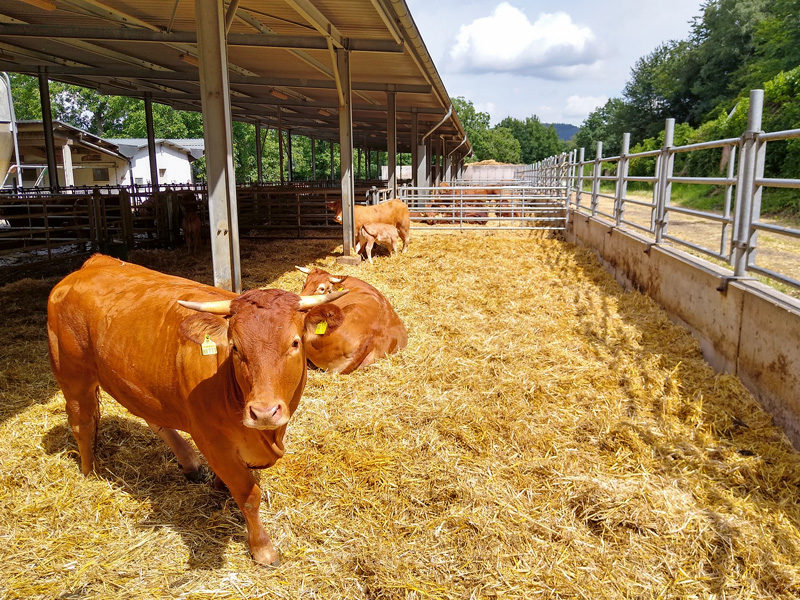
370 328
227 369
391 212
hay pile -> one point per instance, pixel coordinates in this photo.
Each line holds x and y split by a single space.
544 434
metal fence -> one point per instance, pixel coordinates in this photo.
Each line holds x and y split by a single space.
730 235
487 207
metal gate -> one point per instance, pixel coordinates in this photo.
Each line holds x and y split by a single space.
519 205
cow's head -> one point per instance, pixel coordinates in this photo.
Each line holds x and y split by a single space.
262 333
336 207
320 282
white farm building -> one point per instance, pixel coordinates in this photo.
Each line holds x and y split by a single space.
174 159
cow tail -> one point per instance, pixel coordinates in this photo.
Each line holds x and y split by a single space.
364 227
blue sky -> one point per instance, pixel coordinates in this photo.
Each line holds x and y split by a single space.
556 60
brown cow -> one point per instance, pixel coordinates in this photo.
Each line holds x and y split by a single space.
370 329
191 226
381 233
227 369
392 212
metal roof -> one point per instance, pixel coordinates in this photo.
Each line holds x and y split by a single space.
279 57
195 147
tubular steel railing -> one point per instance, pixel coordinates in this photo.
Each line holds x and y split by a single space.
487 207
739 222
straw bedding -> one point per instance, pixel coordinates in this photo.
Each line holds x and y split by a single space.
544 434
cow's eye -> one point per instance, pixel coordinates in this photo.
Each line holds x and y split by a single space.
295 343
234 348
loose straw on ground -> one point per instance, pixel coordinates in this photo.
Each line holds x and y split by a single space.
544 434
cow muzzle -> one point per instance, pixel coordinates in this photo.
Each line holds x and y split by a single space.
266 415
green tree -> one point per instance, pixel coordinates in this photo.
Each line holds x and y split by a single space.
536 140
605 124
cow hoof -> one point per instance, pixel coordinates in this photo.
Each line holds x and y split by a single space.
198 476
273 565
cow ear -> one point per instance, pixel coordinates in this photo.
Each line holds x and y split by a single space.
330 314
196 327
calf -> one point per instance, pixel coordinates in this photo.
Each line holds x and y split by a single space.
391 212
383 234
191 226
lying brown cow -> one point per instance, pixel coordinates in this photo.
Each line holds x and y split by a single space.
370 328
227 369
392 212
380 233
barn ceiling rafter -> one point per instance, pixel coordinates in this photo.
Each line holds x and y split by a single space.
279 59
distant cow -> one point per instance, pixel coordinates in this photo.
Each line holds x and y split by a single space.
392 212
380 233
370 329
191 226
227 369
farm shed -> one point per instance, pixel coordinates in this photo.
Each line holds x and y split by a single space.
544 434
356 72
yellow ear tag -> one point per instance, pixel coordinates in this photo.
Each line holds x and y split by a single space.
340 288
208 346
322 327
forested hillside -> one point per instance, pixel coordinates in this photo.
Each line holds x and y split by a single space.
733 46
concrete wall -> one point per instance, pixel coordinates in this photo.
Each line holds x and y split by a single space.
744 327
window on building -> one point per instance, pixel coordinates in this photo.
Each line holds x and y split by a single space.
162 172
100 174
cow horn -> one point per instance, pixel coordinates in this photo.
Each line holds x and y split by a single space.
302 269
307 302
218 307
337 279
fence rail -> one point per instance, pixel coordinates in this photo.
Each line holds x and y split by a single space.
730 235
487 207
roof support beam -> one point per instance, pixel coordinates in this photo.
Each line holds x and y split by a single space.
219 145
47 122
260 40
139 73
317 20
346 151
391 142
151 142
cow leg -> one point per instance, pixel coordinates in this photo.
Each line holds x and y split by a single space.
187 457
83 416
405 235
245 491
370 244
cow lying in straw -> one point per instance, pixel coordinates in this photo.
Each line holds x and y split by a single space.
228 369
392 212
370 328
380 233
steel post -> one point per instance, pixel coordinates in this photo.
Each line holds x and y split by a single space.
47 125
748 195
215 93
622 179
664 186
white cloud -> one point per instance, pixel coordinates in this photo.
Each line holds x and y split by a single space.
487 107
507 42
581 106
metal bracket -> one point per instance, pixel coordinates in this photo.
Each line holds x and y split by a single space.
649 246
724 281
